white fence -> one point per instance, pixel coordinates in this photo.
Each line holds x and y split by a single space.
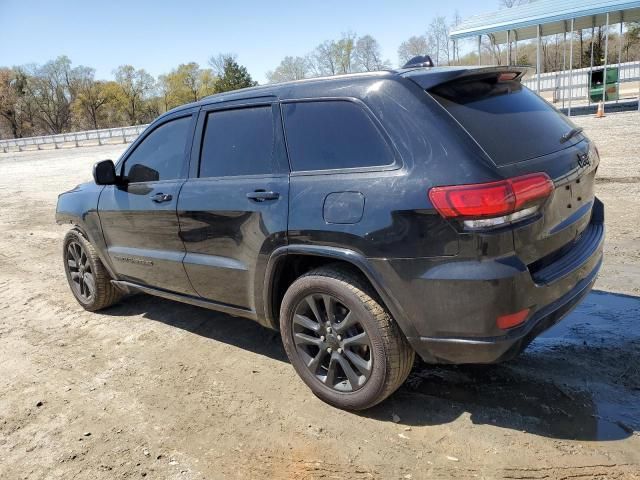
77 139
557 82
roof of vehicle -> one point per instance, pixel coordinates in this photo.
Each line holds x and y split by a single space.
323 86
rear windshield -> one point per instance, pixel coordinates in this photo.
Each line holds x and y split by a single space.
509 121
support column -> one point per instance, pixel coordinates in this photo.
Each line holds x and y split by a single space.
479 50
571 66
620 56
593 29
508 48
538 59
606 52
564 61
515 45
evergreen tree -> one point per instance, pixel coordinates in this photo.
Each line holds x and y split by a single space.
234 76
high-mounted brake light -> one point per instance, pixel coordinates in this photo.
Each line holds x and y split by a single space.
493 203
507 76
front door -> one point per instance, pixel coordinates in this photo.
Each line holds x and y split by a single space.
139 218
233 208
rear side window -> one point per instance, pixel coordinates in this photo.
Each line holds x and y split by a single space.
327 135
238 142
509 121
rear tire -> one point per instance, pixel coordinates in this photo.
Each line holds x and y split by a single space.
89 281
341 341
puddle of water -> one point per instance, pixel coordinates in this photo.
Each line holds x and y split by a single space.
573 382
601 315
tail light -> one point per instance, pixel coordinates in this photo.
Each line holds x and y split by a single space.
484 205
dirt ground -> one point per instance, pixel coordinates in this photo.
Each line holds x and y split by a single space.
157 389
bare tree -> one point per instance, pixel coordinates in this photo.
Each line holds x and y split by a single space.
91 97
135 86
218 62
344 50
438 37
290 68
323 59
367 56
416 45
13 101
457 20
52 91
492 48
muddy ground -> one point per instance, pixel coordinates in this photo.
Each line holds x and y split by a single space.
157 389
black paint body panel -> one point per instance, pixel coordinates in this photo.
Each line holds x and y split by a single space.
215 247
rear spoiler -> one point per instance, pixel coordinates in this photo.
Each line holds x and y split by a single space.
428 78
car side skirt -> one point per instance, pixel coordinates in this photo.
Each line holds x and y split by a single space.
178 297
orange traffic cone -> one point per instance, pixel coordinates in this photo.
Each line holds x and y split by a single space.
600 112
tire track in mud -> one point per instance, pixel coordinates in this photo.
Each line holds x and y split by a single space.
604 472
617 179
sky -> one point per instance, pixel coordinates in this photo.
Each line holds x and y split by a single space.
159 35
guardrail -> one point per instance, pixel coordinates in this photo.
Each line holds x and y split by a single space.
77 139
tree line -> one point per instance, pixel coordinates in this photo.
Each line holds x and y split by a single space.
57 97
353 54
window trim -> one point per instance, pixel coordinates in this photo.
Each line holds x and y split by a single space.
120 165
384 135
278 152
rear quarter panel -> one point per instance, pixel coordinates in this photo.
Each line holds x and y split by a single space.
398 219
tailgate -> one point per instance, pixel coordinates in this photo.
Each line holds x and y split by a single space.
567 213
522 134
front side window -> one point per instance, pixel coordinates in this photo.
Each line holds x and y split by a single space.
327 135
238 142
160 155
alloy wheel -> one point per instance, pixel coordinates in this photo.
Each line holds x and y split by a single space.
332 342
80 272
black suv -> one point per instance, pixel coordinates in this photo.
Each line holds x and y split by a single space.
444 211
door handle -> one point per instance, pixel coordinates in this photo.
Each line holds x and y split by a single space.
161 197
261 196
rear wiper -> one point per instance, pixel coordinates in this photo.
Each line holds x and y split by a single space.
571 133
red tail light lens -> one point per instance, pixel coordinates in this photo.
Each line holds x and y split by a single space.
492 199
530 188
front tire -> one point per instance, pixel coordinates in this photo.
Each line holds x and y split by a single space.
341 341
89 281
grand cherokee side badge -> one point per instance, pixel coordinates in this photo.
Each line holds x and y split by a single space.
138 261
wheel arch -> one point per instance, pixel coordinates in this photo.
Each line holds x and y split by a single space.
277 278
92 232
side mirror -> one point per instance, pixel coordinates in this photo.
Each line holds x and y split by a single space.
104 173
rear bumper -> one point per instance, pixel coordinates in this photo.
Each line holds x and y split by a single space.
453 306
504 347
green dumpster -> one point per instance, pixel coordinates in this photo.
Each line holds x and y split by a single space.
596 84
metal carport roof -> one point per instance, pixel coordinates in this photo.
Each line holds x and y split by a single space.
553 16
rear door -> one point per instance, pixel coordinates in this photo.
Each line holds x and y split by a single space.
233 209
139 219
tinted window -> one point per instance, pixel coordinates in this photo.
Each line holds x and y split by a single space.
237 142
509 121
333 134
160 155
